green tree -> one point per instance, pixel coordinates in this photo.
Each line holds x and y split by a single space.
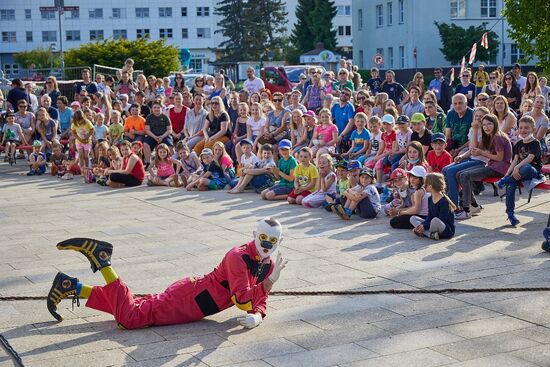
153 57
530 28
321 23
458 41
40 58
251 28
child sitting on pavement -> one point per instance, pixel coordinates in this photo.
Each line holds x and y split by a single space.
284 172
438 157
212 177
326 183
341 185
305 177
191 165
362 198
417 204
37 160
258 176
58 160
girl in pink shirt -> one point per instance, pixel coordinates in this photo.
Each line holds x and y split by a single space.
325 135
162 172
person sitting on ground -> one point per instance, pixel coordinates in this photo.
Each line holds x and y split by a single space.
162 171
12 137
284 172
341 185
212 177
191 165
258 176
326 183
305 177
58 160
132 172
438 158
37 160
419 201
363 198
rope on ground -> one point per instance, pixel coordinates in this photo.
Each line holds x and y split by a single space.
351 292
14 355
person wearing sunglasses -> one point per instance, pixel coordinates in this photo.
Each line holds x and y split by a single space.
466 87
493 88
343 82
481 78
510 90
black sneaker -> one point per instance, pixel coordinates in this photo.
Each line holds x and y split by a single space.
63 286
98 252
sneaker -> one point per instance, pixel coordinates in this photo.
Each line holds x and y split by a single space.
461 215
434 235
97 252
513 220
31 173
67 176
344 213
476 210
63 286
546 246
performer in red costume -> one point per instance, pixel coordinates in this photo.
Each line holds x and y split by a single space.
243 278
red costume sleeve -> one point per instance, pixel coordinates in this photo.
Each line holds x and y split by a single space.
245 294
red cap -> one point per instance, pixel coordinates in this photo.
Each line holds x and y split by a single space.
398 173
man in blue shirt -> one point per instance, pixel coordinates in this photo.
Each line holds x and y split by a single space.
343 113
46 102
467 88
65 116
396 92
15 94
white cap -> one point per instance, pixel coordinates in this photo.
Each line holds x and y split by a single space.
418 171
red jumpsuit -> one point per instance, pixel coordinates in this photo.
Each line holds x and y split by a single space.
237 280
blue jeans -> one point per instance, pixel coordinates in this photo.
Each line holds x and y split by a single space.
451 176
527 172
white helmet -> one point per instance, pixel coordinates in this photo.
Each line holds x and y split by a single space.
268 235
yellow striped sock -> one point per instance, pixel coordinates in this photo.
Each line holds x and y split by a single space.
109 274
85 291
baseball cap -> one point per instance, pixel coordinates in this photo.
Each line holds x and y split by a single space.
403 119
367 171
516 65
388 119
246 142
398 173
353 165
418 117
418 171
36 143
439 136
342 164
285 144
207 151
309 113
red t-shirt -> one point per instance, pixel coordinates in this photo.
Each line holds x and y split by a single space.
388 140
138 171
177 119
437 163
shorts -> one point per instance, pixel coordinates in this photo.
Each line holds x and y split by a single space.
13 141
85 147
261 181
216 184
303 194
153 143
280 189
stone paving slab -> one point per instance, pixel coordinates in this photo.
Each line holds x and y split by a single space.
163 234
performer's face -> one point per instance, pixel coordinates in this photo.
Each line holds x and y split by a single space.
267 237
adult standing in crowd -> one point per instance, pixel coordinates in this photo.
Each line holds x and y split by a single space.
315 93
466 87
252 84
300 87
51 88
481 78
33 107
493 88
395 91
342 82
511 91
195 120
520 79
440 87
418 80
85 85
17 93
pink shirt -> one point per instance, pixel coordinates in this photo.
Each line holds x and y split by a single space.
325 133
166 168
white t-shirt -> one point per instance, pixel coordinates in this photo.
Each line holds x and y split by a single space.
375 143
256 126
254 85
521 82
249 161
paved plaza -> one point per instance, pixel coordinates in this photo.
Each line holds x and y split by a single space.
163 234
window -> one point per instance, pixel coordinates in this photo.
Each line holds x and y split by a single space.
361 59
72 35
11 69
203 11
120 34
165 12
379 16
9 37
340 30
28 14
141 33
184 11
119 13
7 14
196 65
348 30
390 57
28 36
360 19
142 12
184 33
73 14
47 15
401 5
343 10
458 8
96 35
49 36
96 13
402 57
165 33
203 32
488 8
516 53
389 8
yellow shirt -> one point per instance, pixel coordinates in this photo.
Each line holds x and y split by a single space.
83 133
305 175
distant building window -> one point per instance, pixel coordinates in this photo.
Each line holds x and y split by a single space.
196 65
47 15
379 15
49 36
341 30
72 35
28 14
165 12
402 57
390 57
184 33
165 33
359 19
28 35
343 10
120 34
184 11
401 4
142 12
348 30
73 14
9 37
96 35
96 13
516 54
203 32
141 33
7 14
203 11
11 69
389 8
488 8
458 8
119 13
361 59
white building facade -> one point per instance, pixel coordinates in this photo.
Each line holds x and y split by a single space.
185 24
404 33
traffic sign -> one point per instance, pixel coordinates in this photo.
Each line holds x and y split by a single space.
378 59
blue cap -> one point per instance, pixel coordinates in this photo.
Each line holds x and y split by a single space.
246 142
353 165
403 119
388 119
285 144
439 136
